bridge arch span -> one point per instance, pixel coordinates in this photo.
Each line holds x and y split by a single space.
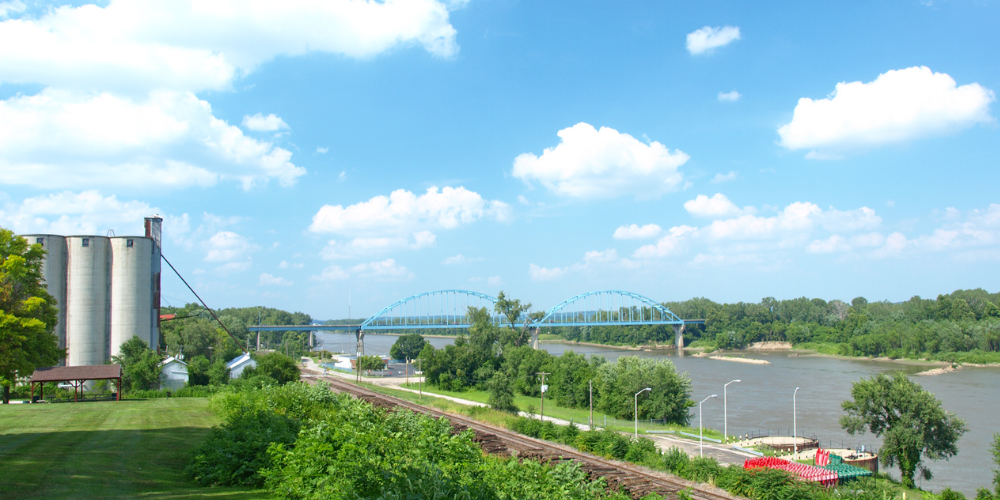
438 309
609 307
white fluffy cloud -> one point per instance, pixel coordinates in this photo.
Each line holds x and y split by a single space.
539 273
591 163
261 123
68 212
591 260
59 139
386 269
739 235
636 232
716 206
460 259
402 211
731 96
227 246
668 244
192 46
899 105
706 39
271 280
359 247
720 177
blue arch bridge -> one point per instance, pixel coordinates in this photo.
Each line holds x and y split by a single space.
449 309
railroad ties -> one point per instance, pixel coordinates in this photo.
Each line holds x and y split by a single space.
495 441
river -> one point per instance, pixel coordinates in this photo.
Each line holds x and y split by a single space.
763 400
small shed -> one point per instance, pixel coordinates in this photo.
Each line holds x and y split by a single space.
76 375
240 363
173 374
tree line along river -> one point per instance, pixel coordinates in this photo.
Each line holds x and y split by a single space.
763 400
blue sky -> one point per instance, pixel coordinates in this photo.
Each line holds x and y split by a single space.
301 151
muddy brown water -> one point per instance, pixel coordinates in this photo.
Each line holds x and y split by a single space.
762 402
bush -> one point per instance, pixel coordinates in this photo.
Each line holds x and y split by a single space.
236 451
275 365
254 419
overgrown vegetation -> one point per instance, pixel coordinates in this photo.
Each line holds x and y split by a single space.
304 441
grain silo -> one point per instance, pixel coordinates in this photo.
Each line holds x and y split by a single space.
54 274
88 288
131 290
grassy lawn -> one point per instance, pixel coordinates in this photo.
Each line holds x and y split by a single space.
579 416
126 449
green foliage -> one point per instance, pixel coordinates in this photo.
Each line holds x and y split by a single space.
198 371
235 451
408 346
218 372
275 365
358 451
369 363
140 365
254 419
27 312
501 393
995 451
910 421
619 381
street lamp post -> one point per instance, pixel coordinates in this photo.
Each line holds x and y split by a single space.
701 432
636 415
795 429
725 409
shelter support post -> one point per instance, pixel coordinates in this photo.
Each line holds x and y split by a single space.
679 334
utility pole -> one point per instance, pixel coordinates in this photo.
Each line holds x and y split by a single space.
541 411
591 385
406 368
420 380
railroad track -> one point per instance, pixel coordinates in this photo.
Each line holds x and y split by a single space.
637 481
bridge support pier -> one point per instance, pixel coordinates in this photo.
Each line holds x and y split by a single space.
361 342
534 338
679 334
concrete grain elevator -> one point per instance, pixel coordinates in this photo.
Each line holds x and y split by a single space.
107 291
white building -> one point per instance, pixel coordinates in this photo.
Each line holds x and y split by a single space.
238 364
173 374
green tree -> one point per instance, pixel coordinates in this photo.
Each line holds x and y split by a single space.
27 312
910 421
369 363
501 392
198 371
218 373
618 382
140 365
275 365
514 312
407 346
983 493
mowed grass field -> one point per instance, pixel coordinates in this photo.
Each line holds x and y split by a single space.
125 449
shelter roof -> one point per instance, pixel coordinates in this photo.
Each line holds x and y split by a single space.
64 373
